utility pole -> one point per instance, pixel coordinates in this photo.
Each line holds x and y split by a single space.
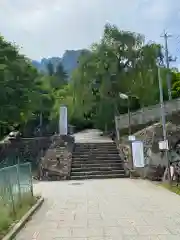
166 36
127 97
163 120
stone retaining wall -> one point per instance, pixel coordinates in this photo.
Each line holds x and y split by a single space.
148 114
155 159
56 164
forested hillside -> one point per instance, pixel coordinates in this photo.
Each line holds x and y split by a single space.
120 62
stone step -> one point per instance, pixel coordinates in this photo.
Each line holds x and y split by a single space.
97 165
95 152
82 177
95 148
100 156
95 144
119 171
89 157
100 168
96 161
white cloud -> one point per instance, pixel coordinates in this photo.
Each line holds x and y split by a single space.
48 28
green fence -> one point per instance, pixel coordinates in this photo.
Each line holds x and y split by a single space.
13 160
15 185
9 161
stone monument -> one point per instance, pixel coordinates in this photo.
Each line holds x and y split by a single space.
63 124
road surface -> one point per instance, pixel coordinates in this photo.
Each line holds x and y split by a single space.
104 209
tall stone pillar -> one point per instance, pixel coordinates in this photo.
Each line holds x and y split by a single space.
63 122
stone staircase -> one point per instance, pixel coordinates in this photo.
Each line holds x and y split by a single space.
96 160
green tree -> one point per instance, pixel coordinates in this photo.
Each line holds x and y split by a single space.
105 72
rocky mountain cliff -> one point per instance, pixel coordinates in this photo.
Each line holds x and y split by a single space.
69 61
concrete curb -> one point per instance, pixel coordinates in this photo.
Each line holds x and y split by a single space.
18 226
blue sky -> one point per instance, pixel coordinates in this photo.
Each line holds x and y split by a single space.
46 28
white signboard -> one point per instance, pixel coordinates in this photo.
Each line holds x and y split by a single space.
163 145
131 138
63 125
138 154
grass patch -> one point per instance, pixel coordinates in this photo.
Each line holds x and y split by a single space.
172 188
8 217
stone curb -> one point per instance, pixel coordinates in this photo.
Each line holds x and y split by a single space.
18 226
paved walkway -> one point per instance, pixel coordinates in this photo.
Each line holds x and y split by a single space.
111 209
91 136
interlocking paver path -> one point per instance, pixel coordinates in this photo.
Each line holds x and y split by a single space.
112 209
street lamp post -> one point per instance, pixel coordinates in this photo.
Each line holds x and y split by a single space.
40 122
126 97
